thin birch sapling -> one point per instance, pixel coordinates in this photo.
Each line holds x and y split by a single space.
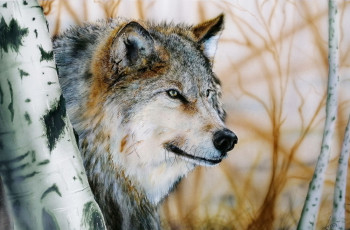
338 213
312 203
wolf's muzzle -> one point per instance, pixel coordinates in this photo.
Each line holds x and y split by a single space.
180 152
224 140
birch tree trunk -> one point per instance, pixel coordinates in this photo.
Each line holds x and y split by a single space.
312 203
338 213
40 164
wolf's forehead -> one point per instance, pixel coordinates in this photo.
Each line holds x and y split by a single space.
188 63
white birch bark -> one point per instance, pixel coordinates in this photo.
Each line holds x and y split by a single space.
338 214
312 203
40 165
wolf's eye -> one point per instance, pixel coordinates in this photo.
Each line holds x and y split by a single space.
173 93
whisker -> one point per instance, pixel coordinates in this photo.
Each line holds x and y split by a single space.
131 148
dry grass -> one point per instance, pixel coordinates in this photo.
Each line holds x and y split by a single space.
272 59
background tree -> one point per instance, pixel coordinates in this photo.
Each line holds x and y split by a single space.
313 199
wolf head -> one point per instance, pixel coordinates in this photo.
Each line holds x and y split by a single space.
152 109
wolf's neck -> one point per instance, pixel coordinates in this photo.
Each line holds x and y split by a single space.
123 205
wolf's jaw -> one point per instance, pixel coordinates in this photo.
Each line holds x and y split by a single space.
196 159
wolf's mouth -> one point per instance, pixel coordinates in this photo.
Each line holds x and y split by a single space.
180 152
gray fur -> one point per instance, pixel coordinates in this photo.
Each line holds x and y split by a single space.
74 51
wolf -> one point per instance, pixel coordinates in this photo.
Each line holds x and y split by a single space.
146 106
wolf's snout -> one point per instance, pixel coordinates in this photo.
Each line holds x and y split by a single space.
224 140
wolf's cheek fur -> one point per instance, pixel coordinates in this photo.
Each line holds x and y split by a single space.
139 149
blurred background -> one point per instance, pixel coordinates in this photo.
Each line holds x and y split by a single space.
272 61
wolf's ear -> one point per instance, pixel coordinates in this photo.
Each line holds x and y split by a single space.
132 46
207 34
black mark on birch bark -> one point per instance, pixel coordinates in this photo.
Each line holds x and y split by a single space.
27 117
55 123
33 154
11 35
53 188
45 55
10 106
44 162
19 179
17 159
92 219
22 73
1 96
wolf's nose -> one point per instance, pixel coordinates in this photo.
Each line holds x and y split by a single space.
224 140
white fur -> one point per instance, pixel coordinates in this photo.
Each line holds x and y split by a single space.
210 46
144 158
